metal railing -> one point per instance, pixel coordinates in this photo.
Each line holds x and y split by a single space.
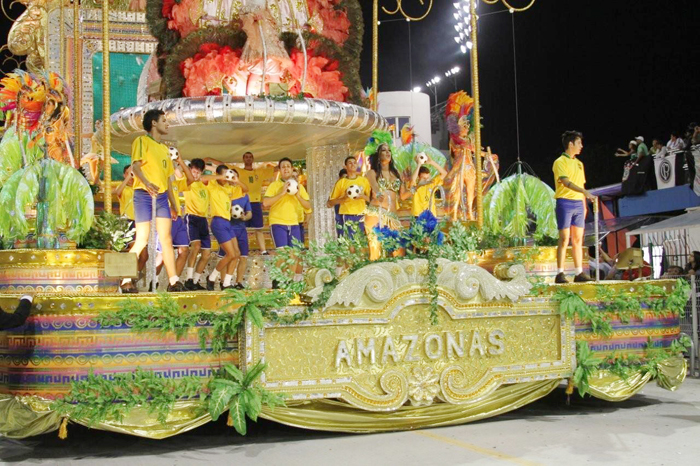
690 326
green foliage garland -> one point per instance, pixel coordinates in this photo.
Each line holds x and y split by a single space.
97 398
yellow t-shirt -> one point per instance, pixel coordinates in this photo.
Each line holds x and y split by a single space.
571 168
179 186
155 162
286 210
220 198
197 199
421 199
351 206
254 180
126 202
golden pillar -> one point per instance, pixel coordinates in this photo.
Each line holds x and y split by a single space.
77 77
375 55
107 146
477 119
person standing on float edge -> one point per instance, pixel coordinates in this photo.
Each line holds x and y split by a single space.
152 168
570 195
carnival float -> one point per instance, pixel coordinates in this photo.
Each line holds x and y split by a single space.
457 321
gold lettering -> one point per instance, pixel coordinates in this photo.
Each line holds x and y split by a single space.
455 349
409 357
389 350
342 354
366 351
428 340
496 338
476 344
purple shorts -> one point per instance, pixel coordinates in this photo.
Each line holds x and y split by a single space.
282 234
256 221
350 223
242 240
198 230
569 213
179 233
222 229
142 206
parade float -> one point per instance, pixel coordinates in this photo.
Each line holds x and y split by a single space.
459 326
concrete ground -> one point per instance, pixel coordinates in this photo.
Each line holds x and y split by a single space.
656 427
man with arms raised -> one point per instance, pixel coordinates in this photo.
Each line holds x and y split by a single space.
569 179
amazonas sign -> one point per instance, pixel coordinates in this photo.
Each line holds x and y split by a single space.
380 359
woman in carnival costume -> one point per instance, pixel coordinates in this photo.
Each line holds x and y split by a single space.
459 115
387 188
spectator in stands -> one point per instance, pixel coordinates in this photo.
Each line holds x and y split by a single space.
695 137
642 149
658 149
675 143
693 265
673 271
632 152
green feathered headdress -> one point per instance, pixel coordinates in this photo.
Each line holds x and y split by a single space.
378 138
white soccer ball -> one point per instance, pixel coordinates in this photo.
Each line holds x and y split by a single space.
230 175
354 191
293 187
188 163
174 154
237 211
422 158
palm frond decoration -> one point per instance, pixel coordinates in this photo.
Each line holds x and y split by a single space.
512 206
11 155
68 203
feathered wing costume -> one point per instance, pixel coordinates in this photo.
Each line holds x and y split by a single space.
405 160
38 166
459 115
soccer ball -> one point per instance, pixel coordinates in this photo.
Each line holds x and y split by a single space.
174 154
422 158
188 163
293 187
354 191
230 175
237 211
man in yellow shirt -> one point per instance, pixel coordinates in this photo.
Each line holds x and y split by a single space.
221 192
284 207
125 193
424 188
570 195
351 208
253 179
196 211
152 169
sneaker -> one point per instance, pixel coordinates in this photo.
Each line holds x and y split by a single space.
275 285
561 278
221 284
583 278
210 285
150 287
239 286
176 288
264 253
128 288
190 285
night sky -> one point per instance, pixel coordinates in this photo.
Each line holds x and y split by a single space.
613 69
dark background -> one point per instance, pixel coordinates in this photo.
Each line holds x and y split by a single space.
613 69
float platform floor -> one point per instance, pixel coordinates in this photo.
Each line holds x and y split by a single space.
652 428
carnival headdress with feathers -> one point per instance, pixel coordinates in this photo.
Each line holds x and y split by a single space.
459 106
378 138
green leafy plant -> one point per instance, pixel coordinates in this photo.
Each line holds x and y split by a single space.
241 395
586 365
108 231
97 398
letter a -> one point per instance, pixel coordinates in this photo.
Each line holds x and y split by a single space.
342 354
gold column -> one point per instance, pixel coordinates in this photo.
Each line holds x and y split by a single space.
77 77
375 53
477 118
107 146
62 39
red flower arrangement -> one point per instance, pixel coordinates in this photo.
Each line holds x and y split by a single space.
323 79
181 15
204 73
335 24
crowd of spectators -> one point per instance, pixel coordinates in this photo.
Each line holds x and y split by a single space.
639 174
